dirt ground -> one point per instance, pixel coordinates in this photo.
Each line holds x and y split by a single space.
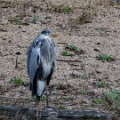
91 25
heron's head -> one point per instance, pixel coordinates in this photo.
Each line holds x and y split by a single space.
46 32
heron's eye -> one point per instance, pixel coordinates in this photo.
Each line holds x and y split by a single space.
42 43
37 43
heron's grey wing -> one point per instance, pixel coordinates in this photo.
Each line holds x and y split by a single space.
33 64
31 58
53 52
34 61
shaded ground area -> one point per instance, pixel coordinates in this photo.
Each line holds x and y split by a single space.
87 82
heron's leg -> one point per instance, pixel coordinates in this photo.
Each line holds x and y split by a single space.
47 102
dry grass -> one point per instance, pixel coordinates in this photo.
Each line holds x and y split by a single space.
92 26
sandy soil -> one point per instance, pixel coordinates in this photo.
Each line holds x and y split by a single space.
21 21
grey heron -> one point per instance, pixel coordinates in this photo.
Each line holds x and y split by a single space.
41 61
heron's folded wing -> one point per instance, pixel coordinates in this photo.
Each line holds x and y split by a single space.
33 63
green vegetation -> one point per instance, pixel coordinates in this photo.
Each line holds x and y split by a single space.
33 97
48 17
114 96
84 18
17 81
62 107
36 19
100 29
88 15
54 93
74 76
86 106
64 97
83 65
80 92
70 48
118 81
104 57
73 48
66 9
43 98
98 101
17 21
83 76
65 53
59 85
101 84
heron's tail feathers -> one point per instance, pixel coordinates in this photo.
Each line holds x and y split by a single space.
40 89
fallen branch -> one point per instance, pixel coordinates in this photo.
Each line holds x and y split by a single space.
69 60
22 113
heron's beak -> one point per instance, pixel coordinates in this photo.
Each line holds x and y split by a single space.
53 35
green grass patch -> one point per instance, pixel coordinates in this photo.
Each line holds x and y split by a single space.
118 81
73 48
17 21
43 98
66 9
85 18
65 53
36 19
100 29
101 84
98 101
58 84
64 97
48 17
104 57
17 81
80 92
62 107
88 15
83 76
54 93
114 97
86 107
